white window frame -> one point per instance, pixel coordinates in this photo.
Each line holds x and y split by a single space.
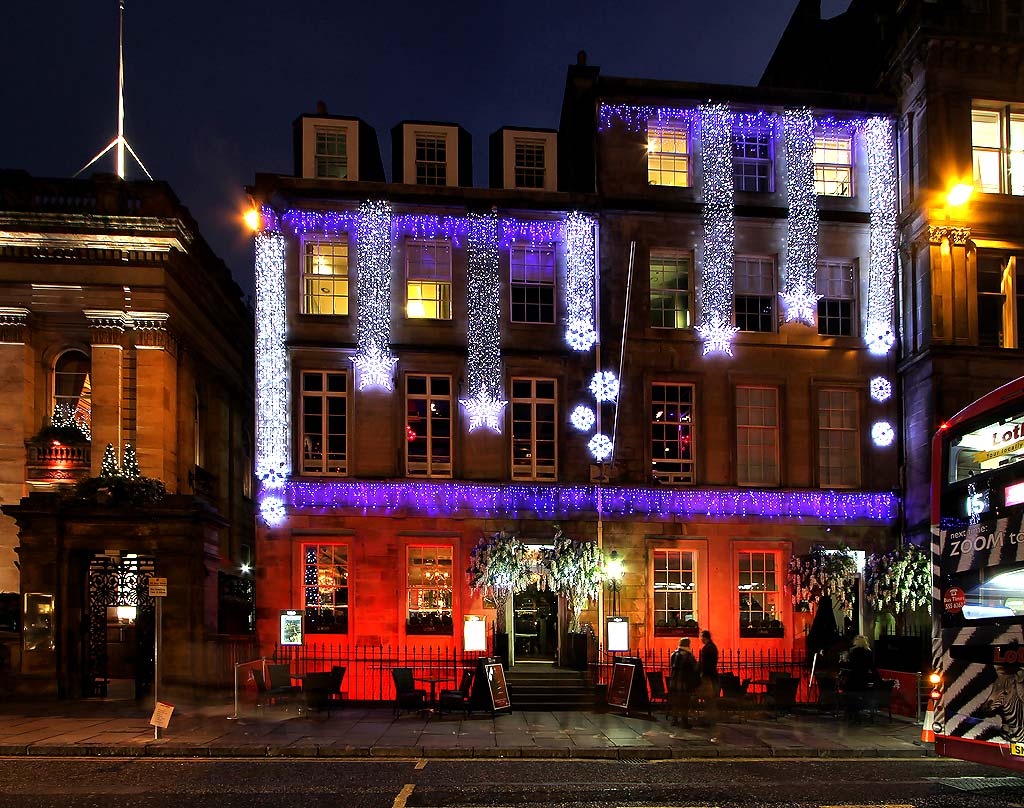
325 395
741 139
757 435
829 169
759 573
666 258
533 469
834 288
441 279
345 564
686 565
1010 151
83 402
341 159
338 246
535 171
745 288
682 471
655 140
518 255
431 467
414 592
835 430
310 125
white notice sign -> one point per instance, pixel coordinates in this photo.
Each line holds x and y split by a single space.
161 715
158 587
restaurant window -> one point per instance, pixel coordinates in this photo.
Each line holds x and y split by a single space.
72 386
759 594
325 584
428 271
837 306
331 155
324 276
757 436
671 295
431 159
752 162
532 284
528 163
1000 301
428 426
534 429
838 438
675 593
668 154
324 422
672 428
833 165
997 145
755 293
429 591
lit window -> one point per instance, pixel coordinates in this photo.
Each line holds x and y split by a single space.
331 154
759 595
428 270
757 436
1000 301
672 430
529 163
325 277
429 591
431 159
675 593
752 162
755 293
325 588
72 386
997 141
532 284
837 285
428 426
324 422
670 289
833 165
838 438
534 429
668 155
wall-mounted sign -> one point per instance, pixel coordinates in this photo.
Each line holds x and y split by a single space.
618 634
291 627
474 633
954 599
158 587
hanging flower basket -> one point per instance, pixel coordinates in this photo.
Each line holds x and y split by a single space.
823 572
575 570
898 581
499 566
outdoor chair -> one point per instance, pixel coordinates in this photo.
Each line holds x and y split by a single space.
337 677
656 681
781 694
316 689
280 680
735 698
408 697
457 699
267 696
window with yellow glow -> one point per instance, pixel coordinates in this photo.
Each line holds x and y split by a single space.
429 590
997 150
668 155
675 593
428 272
670 289
325 588
833 165
759 608
325 277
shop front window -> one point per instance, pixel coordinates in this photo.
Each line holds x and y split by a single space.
429 591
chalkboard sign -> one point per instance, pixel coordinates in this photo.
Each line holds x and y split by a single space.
628 688
490 692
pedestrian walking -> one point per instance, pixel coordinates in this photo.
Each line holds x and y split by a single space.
684 676
709 685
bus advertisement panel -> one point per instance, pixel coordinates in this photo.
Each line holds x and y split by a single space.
978 580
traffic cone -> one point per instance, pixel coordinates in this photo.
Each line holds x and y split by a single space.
927 733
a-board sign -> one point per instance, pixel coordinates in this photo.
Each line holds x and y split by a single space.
291 627
161 715
621 684
490 693
158 587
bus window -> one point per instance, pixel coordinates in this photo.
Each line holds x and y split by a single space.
993 446
1001 596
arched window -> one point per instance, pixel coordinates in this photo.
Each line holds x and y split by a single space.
72 385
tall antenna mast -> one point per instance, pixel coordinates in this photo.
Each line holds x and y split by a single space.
119 140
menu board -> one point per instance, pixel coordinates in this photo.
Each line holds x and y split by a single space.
490 692
496 684
621 684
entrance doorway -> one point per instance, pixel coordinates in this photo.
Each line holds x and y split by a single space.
535 625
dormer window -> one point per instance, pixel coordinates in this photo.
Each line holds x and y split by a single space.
529 163
431 159
331 156
327 148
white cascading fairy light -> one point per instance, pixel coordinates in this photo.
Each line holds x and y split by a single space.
878 143
374 362
485 404
800 298
273 402
716 292
580 271
582 417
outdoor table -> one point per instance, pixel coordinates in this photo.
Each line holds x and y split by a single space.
433 681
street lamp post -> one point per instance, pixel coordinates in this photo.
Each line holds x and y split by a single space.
615 579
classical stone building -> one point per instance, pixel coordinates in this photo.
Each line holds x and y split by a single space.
120 328
426 354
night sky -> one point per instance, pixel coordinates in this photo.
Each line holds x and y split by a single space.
211 88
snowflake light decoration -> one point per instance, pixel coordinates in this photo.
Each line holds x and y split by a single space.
878 337
580 335
882 433
600 447
800 307
881 389
717 337
605 386
484 411
272 511
375 369
582 417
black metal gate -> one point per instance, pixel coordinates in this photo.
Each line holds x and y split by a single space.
118 581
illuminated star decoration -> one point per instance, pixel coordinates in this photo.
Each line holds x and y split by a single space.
600 447
882 433
483 287
881 389
799 298
374 363
580 272
272 510
716 291
605 386
883 234
582 417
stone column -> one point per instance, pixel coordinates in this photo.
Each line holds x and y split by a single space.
106 376
156 390
16 387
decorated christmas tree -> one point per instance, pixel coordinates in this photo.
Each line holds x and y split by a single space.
130 463
65 419
109 466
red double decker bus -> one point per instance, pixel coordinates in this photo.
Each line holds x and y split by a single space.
977 509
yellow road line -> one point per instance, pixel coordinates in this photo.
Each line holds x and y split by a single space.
420 764
403 795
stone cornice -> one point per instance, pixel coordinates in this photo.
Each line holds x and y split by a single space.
955 235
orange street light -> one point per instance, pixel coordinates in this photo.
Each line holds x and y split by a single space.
252 219
959 194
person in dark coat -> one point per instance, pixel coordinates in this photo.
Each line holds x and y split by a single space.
709 685
857 675
684 676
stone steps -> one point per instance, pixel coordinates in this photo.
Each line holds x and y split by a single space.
544 687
